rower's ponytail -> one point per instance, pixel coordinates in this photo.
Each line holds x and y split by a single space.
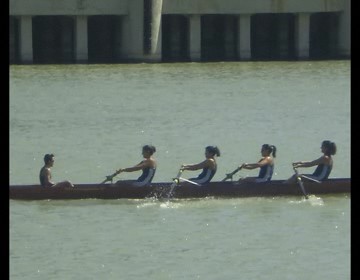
270 148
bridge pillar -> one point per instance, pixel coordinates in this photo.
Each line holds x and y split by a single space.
195 38
81 39
302 35
244 37
26 48
156 13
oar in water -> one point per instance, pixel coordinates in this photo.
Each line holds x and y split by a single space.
109 178
300 182
230 175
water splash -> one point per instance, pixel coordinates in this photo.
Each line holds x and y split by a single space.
315 200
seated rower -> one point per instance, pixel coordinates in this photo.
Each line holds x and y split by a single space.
324 164
147 166
208 166
266 165
45 174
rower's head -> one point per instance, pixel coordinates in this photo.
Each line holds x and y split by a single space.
211 151
267 150
49 159
328 148
148 150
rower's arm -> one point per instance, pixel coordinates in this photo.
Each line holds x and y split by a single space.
318 161
203 164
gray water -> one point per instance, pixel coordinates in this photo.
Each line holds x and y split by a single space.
96 118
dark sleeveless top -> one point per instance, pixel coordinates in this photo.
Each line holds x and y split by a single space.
146 176
205 176
322 171
266 172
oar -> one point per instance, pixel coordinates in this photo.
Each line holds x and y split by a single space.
301 184
109 178
230 175
176 180
311 179
189 181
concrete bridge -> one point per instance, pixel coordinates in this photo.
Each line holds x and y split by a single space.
115 31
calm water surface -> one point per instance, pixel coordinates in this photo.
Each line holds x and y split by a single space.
96 118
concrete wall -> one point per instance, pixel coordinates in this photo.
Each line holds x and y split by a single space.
250 6
120 7
69 7
132 22
345 30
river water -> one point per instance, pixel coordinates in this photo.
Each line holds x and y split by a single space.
96 118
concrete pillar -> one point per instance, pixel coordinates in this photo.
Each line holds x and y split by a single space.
118 45
26 42
345 30
125 37
133 31
13 40
244 38
81 39
156 12
302 35
195 38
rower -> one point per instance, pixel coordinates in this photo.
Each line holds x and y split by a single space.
324 164
45 174
266 165
148 167
208 166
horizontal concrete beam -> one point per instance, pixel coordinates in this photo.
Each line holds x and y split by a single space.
120 7
68 7
250 6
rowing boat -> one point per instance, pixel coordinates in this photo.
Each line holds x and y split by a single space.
180 190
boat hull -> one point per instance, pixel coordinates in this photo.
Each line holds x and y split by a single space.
182 190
